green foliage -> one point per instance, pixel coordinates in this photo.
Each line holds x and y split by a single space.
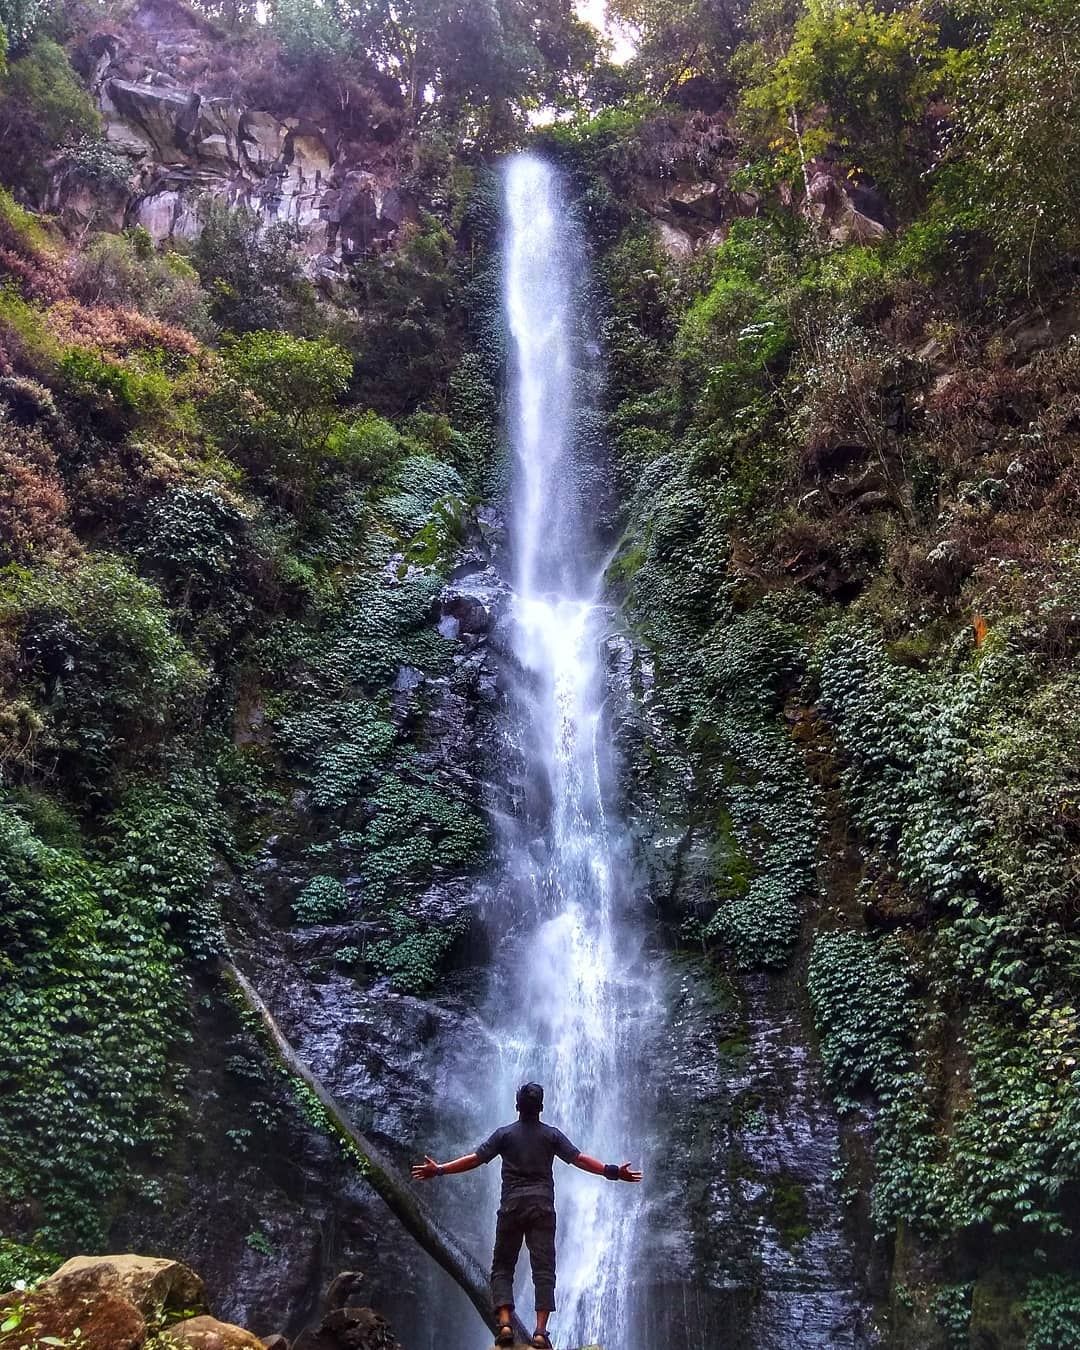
252 274
419 486
682 41
471 65
857 76
1052 1304
412 957
93 1000
91 159
738 330
116 395
275 405
115 269
368 446
259 1242
409 345
342 746
952 1309
859 990
417 822
322 900
1015 152
19 19
26 1263
193 540
43 106
109 673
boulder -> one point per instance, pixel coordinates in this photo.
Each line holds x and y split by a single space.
275 1343
106 1321
154 1285
676 243
852 214
207 1333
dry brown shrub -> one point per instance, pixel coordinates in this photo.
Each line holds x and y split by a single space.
116 331
33 503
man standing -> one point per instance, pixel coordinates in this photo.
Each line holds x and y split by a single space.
528 1149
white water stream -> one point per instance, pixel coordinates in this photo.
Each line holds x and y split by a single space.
571 999
580 999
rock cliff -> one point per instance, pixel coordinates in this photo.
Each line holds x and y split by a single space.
188 135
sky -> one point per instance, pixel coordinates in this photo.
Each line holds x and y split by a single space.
595 11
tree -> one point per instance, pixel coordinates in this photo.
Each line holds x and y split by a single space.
855 79
252 274
275 404
453 61
19 21
1013 159
678 41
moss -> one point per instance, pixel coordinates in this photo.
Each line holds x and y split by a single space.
789 1211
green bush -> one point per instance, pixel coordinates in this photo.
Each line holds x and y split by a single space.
857 76
1052 1304
43 106
275 406
192 541
859 991
419 485
368 446
252 275
115 395
115 269
322 900
26 1263
96 644
1014 152
93 1000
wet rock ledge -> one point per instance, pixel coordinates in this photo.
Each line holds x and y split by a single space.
131 1302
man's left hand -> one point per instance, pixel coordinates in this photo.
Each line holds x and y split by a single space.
627 1173
426 1170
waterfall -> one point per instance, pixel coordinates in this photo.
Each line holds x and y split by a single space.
575 1019
571 997
705 1080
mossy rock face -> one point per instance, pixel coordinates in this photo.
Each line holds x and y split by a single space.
789 1210
998 1321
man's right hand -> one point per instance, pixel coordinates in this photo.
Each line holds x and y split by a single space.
627 1173
426 1170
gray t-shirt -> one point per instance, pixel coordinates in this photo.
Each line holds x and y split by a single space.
528 1148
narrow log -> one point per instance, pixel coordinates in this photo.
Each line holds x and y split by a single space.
399 1193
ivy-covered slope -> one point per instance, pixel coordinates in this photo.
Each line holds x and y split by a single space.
849 452
215 560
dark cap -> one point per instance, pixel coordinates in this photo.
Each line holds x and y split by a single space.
530 1098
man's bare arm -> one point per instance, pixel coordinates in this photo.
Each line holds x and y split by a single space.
599 1169
430 1168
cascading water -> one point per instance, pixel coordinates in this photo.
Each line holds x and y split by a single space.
583 997
738 1236
571 998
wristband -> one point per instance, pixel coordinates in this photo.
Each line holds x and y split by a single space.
611 1171
439 1170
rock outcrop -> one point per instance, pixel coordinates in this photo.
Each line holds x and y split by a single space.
207 1333
186 147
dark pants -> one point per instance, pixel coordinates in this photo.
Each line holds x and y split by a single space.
533 1221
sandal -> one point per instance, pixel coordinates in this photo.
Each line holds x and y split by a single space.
541 1340
505 1335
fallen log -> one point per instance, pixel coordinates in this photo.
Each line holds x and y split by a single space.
399 1193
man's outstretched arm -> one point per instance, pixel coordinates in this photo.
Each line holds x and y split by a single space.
430 1168
613 1172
